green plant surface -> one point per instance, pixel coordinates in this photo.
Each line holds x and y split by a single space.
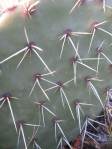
44 29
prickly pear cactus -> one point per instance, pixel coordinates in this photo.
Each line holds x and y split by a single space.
55 64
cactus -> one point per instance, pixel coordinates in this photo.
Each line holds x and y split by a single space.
55 65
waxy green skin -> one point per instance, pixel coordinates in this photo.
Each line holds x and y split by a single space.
45 28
